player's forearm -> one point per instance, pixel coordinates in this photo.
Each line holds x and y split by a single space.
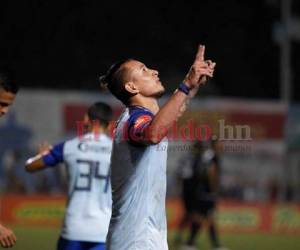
193 92
166 116
172 110
35 164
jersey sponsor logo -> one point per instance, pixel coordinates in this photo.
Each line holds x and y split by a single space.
141 121
85 147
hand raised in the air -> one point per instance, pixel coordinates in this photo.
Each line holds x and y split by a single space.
200 71
211 66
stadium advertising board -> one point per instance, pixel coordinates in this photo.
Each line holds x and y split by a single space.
233 217
32 210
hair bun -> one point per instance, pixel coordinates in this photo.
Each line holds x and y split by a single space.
103 82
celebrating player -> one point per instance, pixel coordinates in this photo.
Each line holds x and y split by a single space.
89 197
8 92
138 168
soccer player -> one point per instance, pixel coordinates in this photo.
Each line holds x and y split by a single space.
89 191
138 167
8 92
206 175
186 178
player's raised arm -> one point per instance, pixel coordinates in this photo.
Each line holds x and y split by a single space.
139 87
48 156
198 75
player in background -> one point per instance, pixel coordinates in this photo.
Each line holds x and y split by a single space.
205 178
87 159
186 179
138 167
8 92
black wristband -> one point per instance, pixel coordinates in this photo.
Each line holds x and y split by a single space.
183 88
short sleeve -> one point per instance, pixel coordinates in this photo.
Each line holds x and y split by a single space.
55 155
139 120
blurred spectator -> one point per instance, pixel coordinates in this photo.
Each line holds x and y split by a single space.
289 192
273 189
14 147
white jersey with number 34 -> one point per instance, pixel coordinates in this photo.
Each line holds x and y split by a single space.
89 196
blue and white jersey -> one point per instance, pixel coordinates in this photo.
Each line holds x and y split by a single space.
138 175
89 191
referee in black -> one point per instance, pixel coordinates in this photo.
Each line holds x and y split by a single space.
203 192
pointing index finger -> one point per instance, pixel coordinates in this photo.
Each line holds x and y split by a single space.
200 53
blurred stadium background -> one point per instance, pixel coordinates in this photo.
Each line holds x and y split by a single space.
56 50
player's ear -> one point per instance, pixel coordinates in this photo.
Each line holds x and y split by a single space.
86 121
131 88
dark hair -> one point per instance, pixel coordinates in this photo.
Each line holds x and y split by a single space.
114 81
8 83
101 112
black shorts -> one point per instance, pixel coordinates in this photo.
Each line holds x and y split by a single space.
204 207
188 195
188 201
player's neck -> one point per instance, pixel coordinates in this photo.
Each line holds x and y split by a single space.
97 130
146 102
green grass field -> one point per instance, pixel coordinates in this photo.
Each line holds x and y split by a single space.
36 238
